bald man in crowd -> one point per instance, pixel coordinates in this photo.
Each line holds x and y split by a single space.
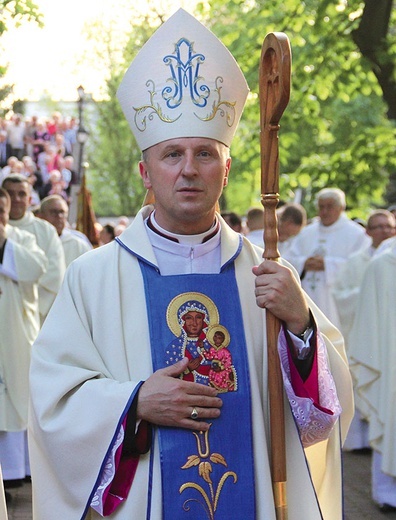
322 247
54 209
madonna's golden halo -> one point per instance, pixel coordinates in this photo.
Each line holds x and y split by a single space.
181 299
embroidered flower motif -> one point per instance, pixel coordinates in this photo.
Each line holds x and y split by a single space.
205 460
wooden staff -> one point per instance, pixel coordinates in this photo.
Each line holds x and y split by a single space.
274 93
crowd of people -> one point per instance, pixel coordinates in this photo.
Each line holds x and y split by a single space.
37 243
42 150
346 268
148 377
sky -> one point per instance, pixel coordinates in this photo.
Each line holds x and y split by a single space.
50 59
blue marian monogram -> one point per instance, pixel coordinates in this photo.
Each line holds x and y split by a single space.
185 82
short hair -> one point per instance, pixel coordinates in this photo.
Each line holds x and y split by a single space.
15 178
145 153
383 212
332 193
255 213
293 212
109 228
47 200
255 218
233 218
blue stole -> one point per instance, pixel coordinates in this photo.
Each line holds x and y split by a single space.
204 475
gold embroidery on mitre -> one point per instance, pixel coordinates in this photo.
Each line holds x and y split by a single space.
225 108
153 109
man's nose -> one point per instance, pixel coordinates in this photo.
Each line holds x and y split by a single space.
189 165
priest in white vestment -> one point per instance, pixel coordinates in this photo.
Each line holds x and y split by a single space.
381 225
54 209
386 244
372 351
322 247
46 237
149 391
292 218
22 263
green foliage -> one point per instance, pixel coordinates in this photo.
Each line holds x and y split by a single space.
113 174
114 155
18 11
15 11
335 130
19 106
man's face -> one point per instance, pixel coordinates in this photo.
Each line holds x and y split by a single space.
287 229
187 176
4 211
329 211
56 212
380 228
20 198
194 323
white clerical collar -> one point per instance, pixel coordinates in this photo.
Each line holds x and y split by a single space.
26 219
190 240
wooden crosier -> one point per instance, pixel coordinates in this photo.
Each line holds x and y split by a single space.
274 94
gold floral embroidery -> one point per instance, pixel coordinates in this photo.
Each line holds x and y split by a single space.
204 461
225 108
148 111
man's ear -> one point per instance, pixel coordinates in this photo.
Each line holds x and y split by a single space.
144 174
227 171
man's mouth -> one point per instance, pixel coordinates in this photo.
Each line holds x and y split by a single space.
189 190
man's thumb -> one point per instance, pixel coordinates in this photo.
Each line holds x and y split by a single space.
176 369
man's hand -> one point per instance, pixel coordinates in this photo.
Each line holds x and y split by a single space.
3 234
314 263
166 400
278 291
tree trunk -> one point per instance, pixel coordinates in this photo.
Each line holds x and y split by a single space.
371 38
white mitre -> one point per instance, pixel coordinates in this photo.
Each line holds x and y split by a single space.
183 83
